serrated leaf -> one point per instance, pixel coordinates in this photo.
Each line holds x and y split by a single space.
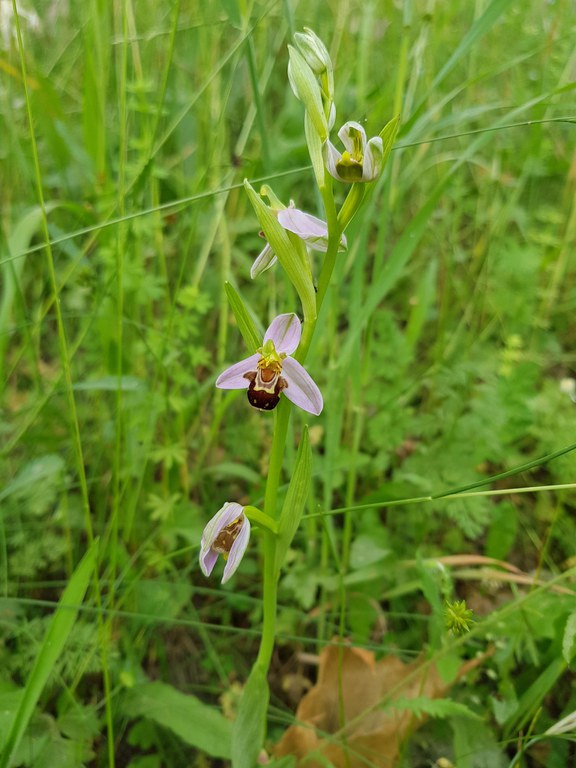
246 324
196 723
295 499
439 708
249 728
568 641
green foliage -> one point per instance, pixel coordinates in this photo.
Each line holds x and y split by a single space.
250 725
445 352
190 719
569 639
52 645
440 708
245 322
293 506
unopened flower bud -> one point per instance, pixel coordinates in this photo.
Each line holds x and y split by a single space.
306 88
313 50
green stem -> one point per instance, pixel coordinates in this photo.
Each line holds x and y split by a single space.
334 235
256 515
281 418
270 589
269 599
336 226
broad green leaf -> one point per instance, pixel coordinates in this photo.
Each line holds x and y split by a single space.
50 650
475 745
234 469
532 697
47 470
291 253
568 641
246 324
196 723
365 551
249 728
295 499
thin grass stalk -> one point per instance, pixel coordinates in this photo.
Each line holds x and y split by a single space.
67 372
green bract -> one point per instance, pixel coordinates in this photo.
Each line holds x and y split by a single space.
307 89
289 249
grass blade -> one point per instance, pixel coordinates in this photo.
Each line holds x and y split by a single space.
50 650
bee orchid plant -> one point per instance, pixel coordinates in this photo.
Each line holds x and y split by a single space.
273 375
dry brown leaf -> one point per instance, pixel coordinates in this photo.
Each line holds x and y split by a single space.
368 733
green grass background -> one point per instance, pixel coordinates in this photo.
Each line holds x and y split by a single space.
126 131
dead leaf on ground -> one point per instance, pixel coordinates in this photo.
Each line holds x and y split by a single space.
372 734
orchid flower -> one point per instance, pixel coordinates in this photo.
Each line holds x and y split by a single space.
361 161
271 370
226 534
312 230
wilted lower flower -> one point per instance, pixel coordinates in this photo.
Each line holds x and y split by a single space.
271 370
566 725
309 228
362 160
226 534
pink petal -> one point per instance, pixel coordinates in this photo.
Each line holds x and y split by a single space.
301 389
208 561
331 158
229 511
225 515
284 331
312 230
237 551
302 224
233 377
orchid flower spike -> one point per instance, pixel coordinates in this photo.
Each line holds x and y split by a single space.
361 161
226 534
271 370
312 230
